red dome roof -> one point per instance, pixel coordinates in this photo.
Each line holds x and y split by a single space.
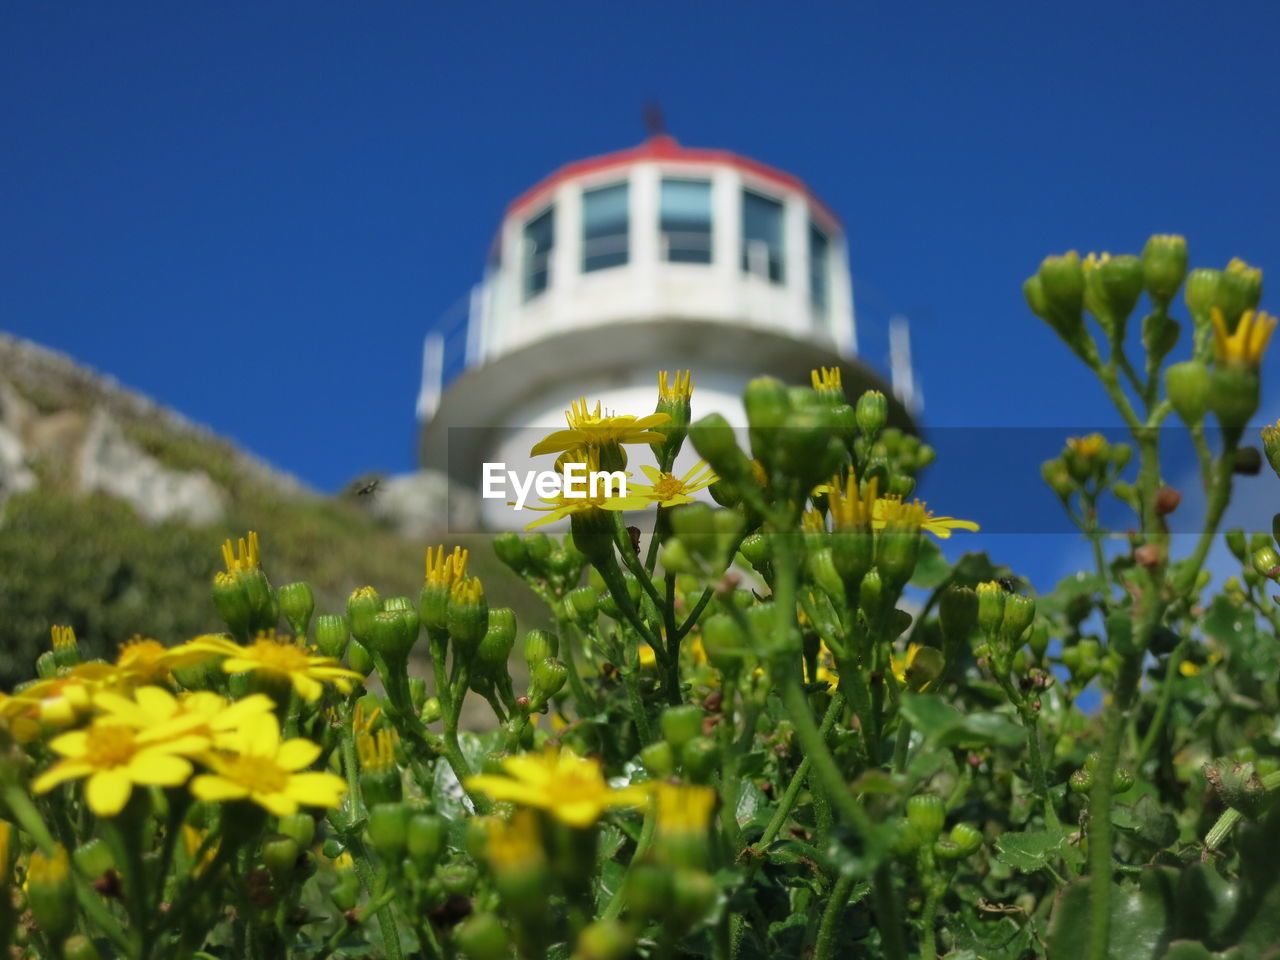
664 147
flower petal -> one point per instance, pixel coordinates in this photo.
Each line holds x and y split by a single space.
159 769
297 753
108 791
210 786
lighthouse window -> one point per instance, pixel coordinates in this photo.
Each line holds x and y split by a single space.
604 227
686 221
762 252
539 238
819 268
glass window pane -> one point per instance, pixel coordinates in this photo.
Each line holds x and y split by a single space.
819 268
604 227
686 221
762 251
539 239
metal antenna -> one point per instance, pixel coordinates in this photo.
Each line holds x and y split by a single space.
654 125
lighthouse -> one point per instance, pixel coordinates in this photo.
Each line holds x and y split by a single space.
656 257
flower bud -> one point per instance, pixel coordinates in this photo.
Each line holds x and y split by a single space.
361 607
50 895
659 759
1239 289
425 840
648 890
547 677
716 443
346 892
47 669
468 617
79 947
232 603
392 633
692 894
92 858
297 604
768 407
1019 611
681 724
1057 296
1267 562
301 827
495 648
896 555
389 830
511 551
1234 395
1237 543
700 758
755 549
280 856
871 593
359 659
723 641
871 413
606 939
583 604
958 612
927 814
539 644
991 601
966 839
1112 288
482 937
331 635
1164 264
673 400
66 651
1201 293
822 569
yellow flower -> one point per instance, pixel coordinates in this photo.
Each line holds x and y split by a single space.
684 808
443 569
677 389
244 557
825 378
281 659
918 667
813 522
569 787
377 751
1087 447
668 490
115 755
560 506
514 844
66 699
891 512
1189 668
265 770
50 871
149 661
591 428
851 510
648 659
825 671
192 840
1246 345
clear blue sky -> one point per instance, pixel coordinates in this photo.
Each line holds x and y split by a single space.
253 211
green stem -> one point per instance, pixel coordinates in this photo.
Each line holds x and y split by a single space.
642 847
824 948
1156 727
384 913
783 810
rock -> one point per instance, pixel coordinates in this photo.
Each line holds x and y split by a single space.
420 504
110 462
15 475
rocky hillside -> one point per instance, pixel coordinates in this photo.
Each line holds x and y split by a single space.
112 509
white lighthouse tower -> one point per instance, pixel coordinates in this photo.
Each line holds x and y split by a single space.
657 257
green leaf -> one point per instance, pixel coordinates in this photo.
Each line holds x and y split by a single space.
1141 918
932 569
942 725
1032 850
1187 950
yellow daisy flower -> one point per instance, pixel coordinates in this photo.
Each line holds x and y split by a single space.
667 490
684 808
892 511
514 844
560 506
281 659
149 661
116 755
569 787
677 388
265 770
1244 346
591 428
